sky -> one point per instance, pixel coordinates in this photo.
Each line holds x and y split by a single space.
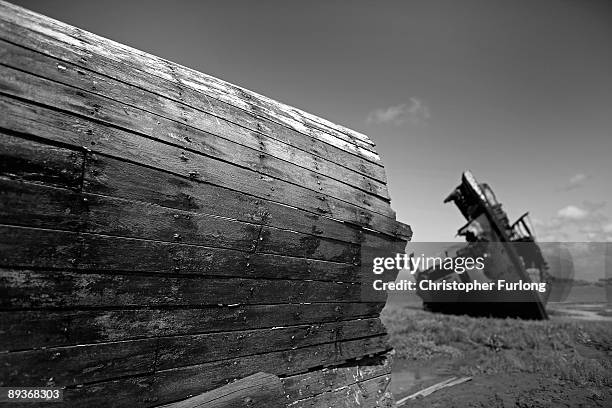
520 92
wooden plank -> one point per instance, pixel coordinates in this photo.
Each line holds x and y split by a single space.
33 248
171 385
95 62
118 217
282 242
450 382
22 159
108 176
266 107
369 393
125 145
25 158
260 390
199 349
24 203
300 120
23 330
88 363
334 127
185 79
25 289
33 205
312 383
112 177
65 366
48 207
25 247
207 134
52 94
131 219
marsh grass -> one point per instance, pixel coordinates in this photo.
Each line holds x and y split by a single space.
580 352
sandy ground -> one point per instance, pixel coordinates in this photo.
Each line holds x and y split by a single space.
565 362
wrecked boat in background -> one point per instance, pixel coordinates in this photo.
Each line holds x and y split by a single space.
510 253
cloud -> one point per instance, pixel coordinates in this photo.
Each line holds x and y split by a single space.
572 212
586 222
415 112
576 181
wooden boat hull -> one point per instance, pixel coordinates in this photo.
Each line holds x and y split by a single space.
164 232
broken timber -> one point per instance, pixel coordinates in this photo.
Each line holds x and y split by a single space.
260 390
164 233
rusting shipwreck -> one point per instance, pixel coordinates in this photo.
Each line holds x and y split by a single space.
165 233
509 253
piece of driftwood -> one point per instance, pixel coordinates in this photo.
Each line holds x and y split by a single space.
260 390
450 382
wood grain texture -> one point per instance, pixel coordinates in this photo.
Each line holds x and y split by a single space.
87 61
33 205
235 160
108 176
316 382
82 364
368 393
171 385
34 160
26 247
165 234
62 128
25 289
185 78
25 160
258 390
198 130
78 134
23 330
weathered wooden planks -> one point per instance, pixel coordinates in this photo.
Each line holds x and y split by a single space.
77 365
31 160
26 247
207 134
261 390
186 79
171 385
170 193
188 98
140 121
25 289
109 176
50 207
24 159
23 330
313 383
364 384
368 393
82 364
62 128
20 84
164 233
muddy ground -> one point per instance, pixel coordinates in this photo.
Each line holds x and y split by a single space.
563 362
